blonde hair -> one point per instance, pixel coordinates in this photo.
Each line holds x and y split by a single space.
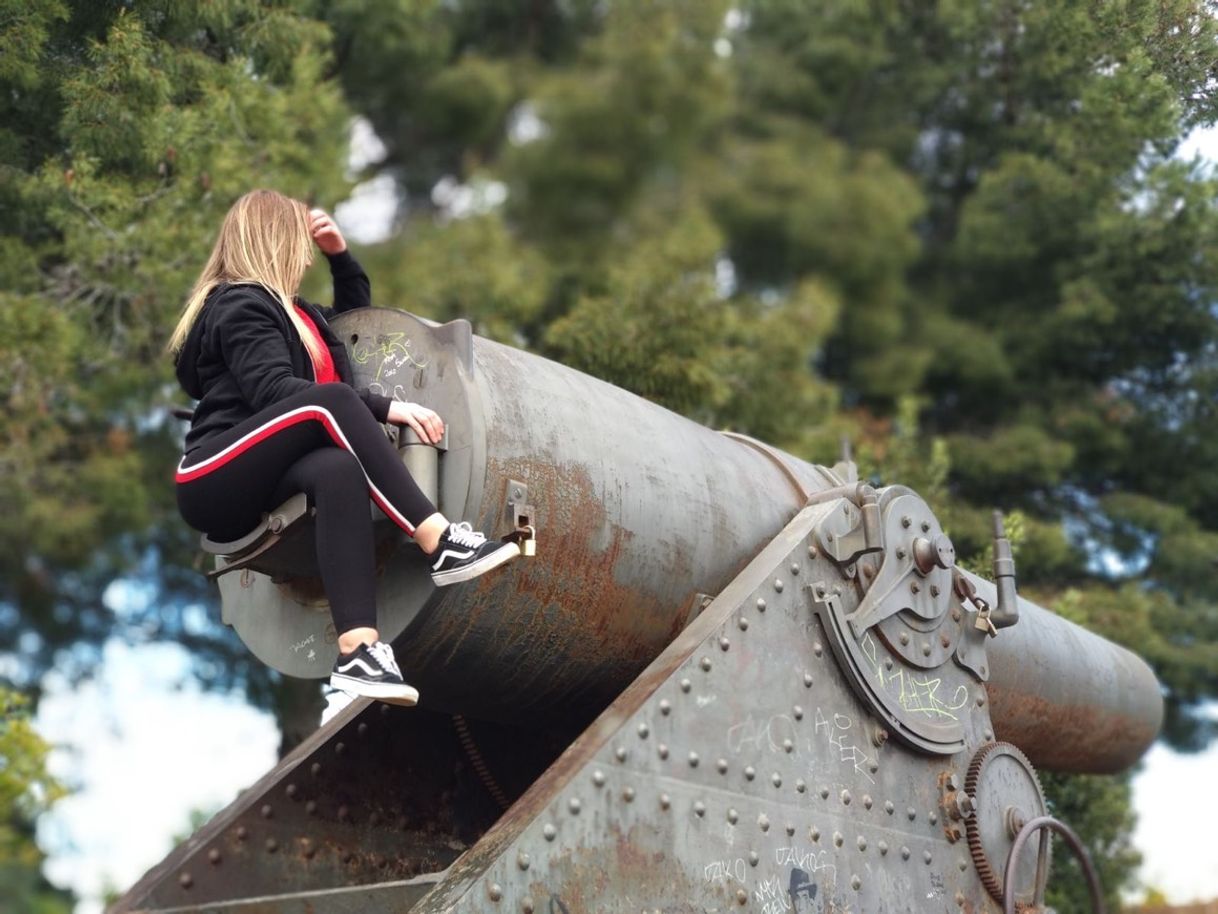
265 240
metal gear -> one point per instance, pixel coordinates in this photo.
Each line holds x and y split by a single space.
1006 793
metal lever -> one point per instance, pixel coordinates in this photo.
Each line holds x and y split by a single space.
1006 613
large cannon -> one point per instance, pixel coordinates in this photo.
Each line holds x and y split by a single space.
727 680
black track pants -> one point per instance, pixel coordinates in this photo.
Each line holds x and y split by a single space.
325 443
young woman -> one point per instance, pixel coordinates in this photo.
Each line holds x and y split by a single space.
277 415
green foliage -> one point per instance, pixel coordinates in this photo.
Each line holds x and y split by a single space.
26 790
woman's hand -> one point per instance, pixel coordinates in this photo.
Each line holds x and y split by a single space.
427 425
325 232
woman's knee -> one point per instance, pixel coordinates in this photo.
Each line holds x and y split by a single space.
335 472
337 397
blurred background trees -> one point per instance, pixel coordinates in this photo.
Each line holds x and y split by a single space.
959 233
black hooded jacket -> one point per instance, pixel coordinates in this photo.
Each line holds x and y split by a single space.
243 353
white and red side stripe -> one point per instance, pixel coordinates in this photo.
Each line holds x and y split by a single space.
278 424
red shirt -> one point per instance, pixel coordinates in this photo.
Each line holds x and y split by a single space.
323 368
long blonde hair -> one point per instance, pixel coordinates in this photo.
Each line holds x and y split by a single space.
265 239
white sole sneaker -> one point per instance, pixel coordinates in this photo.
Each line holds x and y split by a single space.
504 553
387 692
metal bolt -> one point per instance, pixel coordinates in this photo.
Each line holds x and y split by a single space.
813 552
643 731
845 797
666 705
315 769
807 680
742 896
665 801
743 623
980 700
724 644
934 818
900 552
574 806
960 899
883 848
934 590
856 883
914 587
888 807
495 891
266 810
628 794
817 648
271 845
290 790
866 801
963 864
926 649
699 808
800 786
754 859
904 852
721 766
888 663
733 816
186 880
620 753
814 833
904 639
213 856
790 829
778 584
749 772
988 734
926 857
549 832
362 729
945 640
824 793
526 905
705 664
838 839
340 748
693 760
242 833
794 568
776 779
763 822
761 604
906 521
662 750
788 746
862 842
686 685
926 526
797 712
955 615
522 860
598 778
880 736
911 813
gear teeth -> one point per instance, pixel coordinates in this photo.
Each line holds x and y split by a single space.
985 870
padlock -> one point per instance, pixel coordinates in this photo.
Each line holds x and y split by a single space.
528 541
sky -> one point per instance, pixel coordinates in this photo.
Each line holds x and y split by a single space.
143 747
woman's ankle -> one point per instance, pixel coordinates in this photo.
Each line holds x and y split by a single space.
427 534
351 639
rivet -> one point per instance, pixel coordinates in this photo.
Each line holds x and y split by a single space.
271 845
340 748
307 848
776 779
883 848
980 700
721 766
763 822
911 813
813 552
926 857
904 852
266 810
945 641
733 816
574 806
754 859
343 813
290 790
788 746
699 808
384 710
926 648
904 638
906 521
242 833
310 806
186 880
526 905
666 705
862 842
522 860
686 685
662 750
797 712
926 526
790 829
955 615
693 760
817 649
549 832
724 644
362 729
213 856
620 753
742 896
315 769
824 793
888 807
794 569
628 794
800 786
845 797
838 840
934 590
873 767
495 891
963 864
643 731
866 801
743 623
749 772
807 680
598 778
879 736
988 734
888 663
856 883
761 604
665 801
960 899
814 833
778 584
914 587
900 553
705 664
934 818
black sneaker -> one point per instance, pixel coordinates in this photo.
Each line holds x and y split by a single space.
464 554
370 670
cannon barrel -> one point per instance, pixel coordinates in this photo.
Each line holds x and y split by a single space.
641 517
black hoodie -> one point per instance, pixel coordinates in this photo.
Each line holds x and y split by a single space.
243 353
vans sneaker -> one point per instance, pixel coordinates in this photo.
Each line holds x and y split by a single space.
371 671
464 554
